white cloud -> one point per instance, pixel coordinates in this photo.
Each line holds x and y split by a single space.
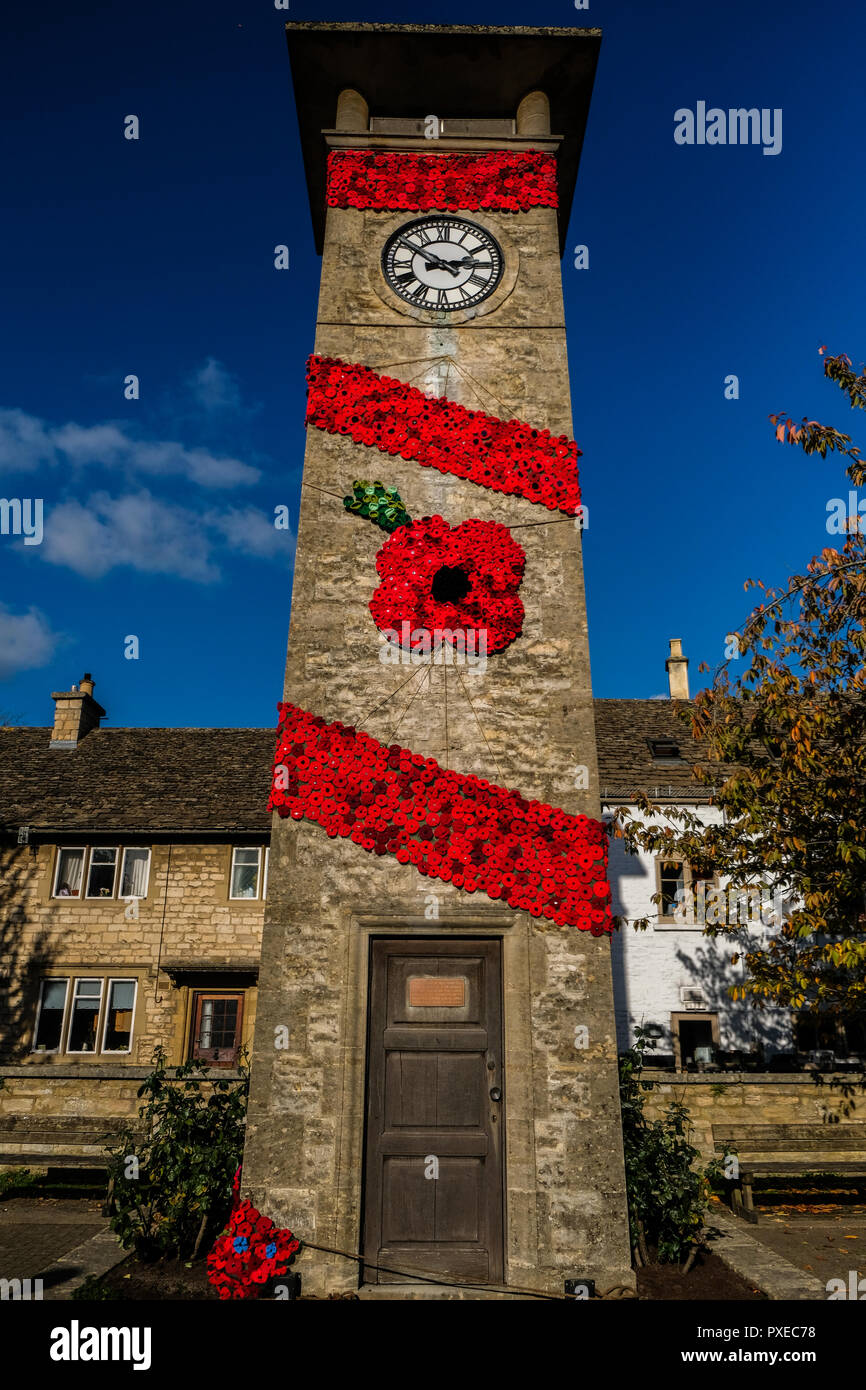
26 641
214 388
137 531
252 532
140 532
24 442
27 443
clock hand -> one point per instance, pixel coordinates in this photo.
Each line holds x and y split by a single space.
430 257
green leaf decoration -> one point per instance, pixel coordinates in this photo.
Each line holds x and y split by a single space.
379 504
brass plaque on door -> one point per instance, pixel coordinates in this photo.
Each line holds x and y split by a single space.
437 991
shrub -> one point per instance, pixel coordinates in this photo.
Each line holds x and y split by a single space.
16 1180
171 1177
667 1194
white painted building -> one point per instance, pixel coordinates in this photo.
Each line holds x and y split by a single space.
672 978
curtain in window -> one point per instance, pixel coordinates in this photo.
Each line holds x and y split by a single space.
69 872
245 873
135 866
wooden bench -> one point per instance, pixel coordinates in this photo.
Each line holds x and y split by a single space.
767 1150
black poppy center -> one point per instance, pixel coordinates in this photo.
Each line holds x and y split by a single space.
451 584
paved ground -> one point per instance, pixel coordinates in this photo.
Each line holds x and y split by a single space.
828 1245
36 1231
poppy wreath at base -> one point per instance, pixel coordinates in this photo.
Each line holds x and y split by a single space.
451 579
510 180
507 456
452 826
250 1252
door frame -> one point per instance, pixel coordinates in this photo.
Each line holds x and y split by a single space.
431 938
692 1016
198 995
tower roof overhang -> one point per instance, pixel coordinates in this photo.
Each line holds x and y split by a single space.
412 70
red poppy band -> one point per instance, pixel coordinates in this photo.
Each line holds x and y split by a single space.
509 180
505 455
449 825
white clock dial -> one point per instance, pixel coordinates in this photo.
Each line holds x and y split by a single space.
442 263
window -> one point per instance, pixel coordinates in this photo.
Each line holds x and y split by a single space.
672 878
103 867
97 870
117 1034
246 876
135 873
216 1034
70 870
664 750
671 882
86 999
265 874
49 1019
73 1021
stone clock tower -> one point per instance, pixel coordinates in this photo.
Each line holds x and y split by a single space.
434 1074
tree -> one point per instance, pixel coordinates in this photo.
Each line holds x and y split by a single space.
783 745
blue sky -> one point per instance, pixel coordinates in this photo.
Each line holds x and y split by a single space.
155 257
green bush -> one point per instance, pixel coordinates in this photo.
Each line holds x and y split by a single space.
172 1176
16 1180
667 1194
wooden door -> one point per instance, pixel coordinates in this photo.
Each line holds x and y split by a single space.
433 1172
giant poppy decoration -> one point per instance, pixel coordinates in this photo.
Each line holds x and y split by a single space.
441 578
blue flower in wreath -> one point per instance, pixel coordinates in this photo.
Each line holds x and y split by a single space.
241 1244
270 1250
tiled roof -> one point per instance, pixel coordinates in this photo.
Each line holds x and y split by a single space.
137 779
624 731
216 780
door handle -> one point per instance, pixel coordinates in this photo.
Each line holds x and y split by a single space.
495 1093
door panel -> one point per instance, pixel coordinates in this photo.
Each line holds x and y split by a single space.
433 1170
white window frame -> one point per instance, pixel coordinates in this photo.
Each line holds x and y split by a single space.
50 980
100 897
84 1052
119 885
105 1004
257 896
267 849
70 849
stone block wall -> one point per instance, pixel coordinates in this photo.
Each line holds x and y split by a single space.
186 917
756 1099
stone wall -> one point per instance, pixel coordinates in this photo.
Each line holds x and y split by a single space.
744 1098
186 917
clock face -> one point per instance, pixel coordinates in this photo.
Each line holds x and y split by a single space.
442 263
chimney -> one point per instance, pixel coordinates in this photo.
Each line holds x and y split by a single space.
677 667
75 714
